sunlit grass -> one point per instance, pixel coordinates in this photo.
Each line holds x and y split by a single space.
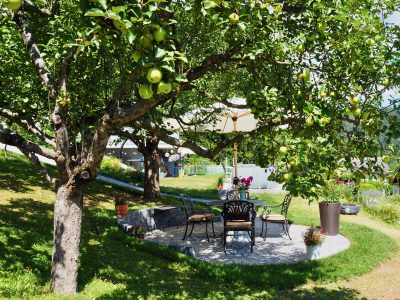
116 266
204 186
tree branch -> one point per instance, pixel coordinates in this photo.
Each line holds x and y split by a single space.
34 52
212 63
14 139
27 125
30 7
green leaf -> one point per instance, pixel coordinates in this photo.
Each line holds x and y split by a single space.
131 36
168 68
180 78
95 12
103 3
183 58
78 138
160 52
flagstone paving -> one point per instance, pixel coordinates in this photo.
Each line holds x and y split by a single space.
276 249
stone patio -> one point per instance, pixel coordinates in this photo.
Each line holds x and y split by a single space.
276 249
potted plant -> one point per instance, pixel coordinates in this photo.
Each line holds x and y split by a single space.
121 206
139 232
243 186
329 208
313 238
349 194
220 183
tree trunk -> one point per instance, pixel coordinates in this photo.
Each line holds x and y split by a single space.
67 232
151 170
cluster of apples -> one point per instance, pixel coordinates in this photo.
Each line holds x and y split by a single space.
354 100
12 4
154 75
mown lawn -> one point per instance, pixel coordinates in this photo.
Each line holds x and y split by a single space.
204 186
116 266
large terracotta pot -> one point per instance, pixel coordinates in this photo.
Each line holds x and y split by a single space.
329 214
122 210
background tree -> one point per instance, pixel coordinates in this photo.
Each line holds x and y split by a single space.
76 71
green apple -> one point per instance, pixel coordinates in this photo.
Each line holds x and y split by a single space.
300 47
234 18
307 75
332 94
386 158
146 42
145 91
309 121
314 190
12 4
283 150
136 56
287 176
159 34
386 82
154 75
357 112
354 100
323 94
372 42
325 120
321 27
164 87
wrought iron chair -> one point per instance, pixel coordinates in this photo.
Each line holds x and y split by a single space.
239 216
196 216
268 216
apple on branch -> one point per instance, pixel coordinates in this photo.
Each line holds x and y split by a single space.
154 75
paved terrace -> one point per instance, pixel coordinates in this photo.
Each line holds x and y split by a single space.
276 249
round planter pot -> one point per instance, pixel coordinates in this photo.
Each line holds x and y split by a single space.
313 252
122 210
349 209
329 214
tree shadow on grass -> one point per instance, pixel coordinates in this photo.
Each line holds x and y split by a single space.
18 175
26 237
146 270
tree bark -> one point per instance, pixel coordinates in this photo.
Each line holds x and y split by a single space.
151 169
67 233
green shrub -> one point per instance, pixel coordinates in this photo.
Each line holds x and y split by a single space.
394 199
372 184
386 211
111 167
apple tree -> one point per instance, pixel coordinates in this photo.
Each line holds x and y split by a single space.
74 72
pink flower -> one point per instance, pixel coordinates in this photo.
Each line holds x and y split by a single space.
251 178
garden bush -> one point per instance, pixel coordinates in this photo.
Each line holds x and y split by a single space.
372 184
111 166
387 210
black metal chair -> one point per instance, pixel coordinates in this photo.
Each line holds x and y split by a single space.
196 216
268 216
239 216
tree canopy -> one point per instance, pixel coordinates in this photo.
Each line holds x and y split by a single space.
73 72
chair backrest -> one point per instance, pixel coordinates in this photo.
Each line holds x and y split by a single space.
238 210
285 204
230 195
187 204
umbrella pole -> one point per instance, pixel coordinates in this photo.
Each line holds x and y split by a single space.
236 196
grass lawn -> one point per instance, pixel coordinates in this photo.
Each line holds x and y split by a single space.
116 266
204 186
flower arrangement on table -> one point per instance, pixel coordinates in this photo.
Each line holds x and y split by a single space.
313 236
244 183
336 190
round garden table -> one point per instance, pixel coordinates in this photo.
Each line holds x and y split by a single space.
220 203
